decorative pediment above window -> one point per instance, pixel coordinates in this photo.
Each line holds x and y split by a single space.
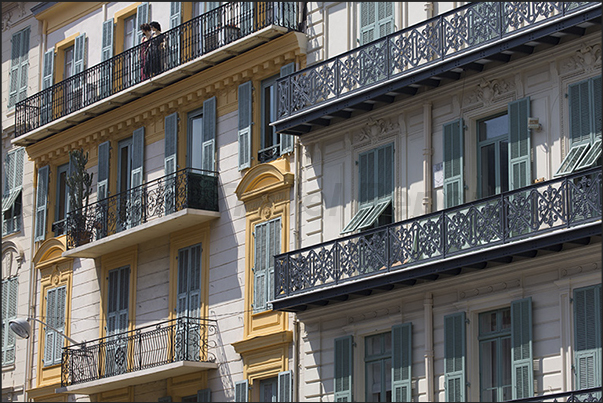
12 258
265 179
50 252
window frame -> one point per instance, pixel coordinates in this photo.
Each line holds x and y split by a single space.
190 136
268 106
497 141
61 169
378 358
498 335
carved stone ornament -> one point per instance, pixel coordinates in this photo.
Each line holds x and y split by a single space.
587 58
6 20
374 129
11 262
488 90
474 292
266 207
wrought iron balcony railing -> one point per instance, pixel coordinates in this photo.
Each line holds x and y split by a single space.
175 47
583 395
444 37
182 339
502 219
187 188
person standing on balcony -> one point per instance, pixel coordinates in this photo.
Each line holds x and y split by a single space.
145 52
157 48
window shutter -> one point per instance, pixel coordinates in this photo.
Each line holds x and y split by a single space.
247 17
385 172
521 348
41 200
107 41
59 324
204 395
359 217
402 362
48 70
182 302
142 16
79 54
9 172
343 369
103 171
273 248
454 193
367 22
175 12
194 284
587 331
18 173
24 65
259 270
10 289
366 173
596 113
374 214
117 311
579 115
137 157
166 399
284 386
591 157
286 139
241 391
385 15
15 68
520 172
245 125
171 143
454 357
49 345
209 134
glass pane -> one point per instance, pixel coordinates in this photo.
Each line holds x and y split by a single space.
387 341
196 144
487 322
506 318
68 62
197 8
488 170
492 128
388 380
373 345
504 166
62 195
506 368
267 129
488 370
373 385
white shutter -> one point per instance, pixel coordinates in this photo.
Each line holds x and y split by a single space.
242 391
285 386
245 117
175 13
142 16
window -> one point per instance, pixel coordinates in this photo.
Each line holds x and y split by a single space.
55 317
376 173
493 155
188 303
19 67
268 390
270 143
10 288
495 355
267 239
585 126
587 337
117 319
378 366
130 32
11 198
62 200
130 165
376 21
68 69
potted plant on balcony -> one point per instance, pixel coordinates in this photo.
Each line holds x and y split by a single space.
80 188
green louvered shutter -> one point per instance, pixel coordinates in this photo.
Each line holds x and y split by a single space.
343 369
259 269
41 200
454 357
244 125
79 54
285 387
367 22
522 374
23 65
241 391
103 170
286 139
51 336
385 18
596 112
587 336
142 16
579 107
209 134
402 362
15 68
273 248
107 40
204 395
454 193
520 172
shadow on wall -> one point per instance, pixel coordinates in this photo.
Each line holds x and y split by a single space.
223 369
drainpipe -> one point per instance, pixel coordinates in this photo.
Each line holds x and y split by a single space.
43 40
428 9
297 245
427 153
428 309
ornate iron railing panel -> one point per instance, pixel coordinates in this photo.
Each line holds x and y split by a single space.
182 339
583 395
446 36
179 45
502 219
187 188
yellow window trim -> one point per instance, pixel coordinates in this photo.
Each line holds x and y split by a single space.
59 51
118 19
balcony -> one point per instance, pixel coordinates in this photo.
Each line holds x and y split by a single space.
167 349
424 56
180 200
583 395
195 45
473 236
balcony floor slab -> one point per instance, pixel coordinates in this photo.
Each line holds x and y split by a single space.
138 377
152 229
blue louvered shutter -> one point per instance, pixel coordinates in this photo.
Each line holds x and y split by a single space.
259 269
454 193
9 172
41 200
580 112
244 133
171 143
50 334
118 299
79 54
10 290
19 158
142 16
273 248
23 65
209 134
587 336
454 357
402 362
286 139
175 13
103 171
597 106
59 324
520 172
204 395
343 369
285 387
522 374
15 68
182 297
107 40
385 18
242 391
367 22
48 70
